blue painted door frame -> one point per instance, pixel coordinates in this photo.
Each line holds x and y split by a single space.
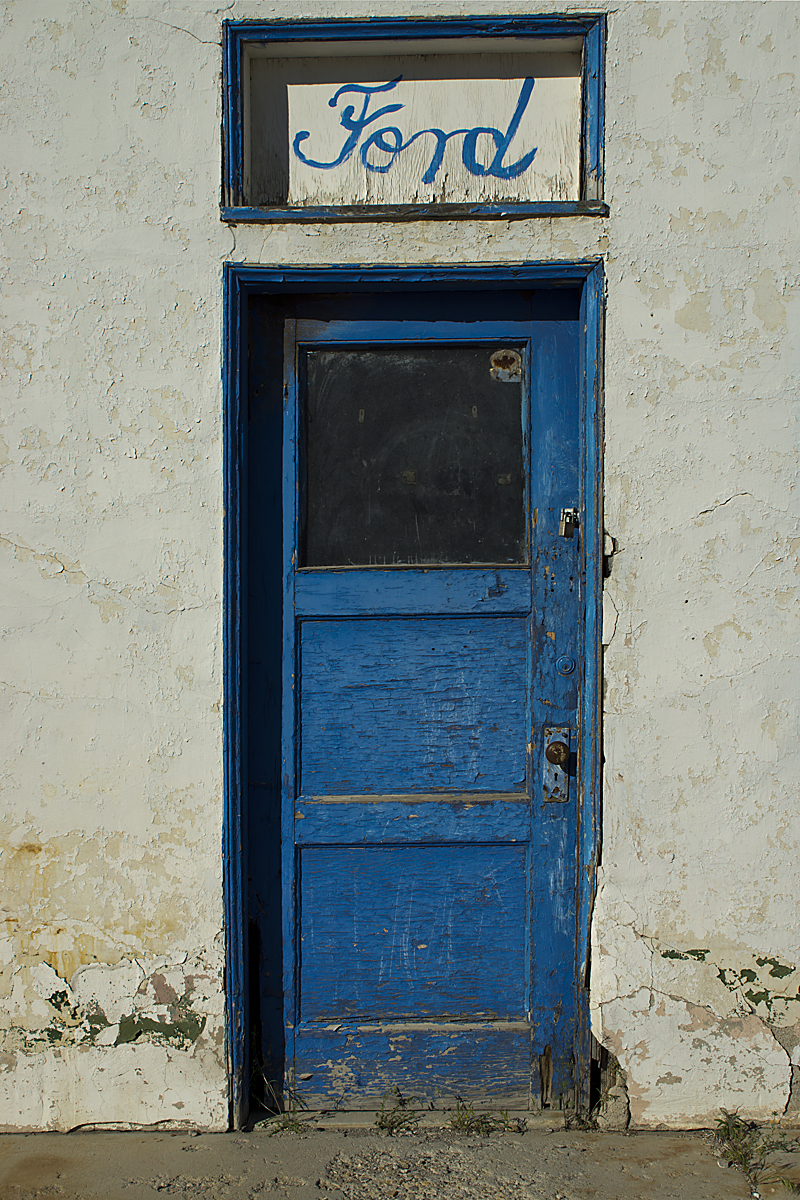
244 573
525 29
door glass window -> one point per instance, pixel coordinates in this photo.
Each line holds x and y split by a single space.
414 455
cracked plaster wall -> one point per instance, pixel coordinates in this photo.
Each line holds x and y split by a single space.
695 947
111 466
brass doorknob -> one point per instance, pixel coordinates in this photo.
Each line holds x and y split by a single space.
557 753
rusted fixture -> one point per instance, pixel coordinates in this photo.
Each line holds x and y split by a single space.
506 366
557 753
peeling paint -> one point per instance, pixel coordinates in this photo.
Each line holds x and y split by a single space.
102 1009
111 950
696 1000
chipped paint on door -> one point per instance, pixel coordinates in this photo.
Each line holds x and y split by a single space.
428 878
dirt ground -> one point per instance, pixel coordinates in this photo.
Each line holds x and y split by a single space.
362 1164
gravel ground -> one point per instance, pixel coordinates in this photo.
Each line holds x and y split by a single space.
428 1172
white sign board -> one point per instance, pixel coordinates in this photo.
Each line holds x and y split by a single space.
446 141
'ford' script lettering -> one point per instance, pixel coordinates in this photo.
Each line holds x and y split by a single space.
388 140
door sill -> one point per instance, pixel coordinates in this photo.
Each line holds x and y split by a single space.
362 1120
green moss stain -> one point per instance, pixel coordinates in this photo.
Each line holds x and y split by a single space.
754 986
96 1020
753 983
777 969
68 1015
69 1023
757 998
184 1029
67 1027
182 1032
686 955
733 979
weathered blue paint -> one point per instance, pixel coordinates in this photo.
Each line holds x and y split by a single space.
413 817
232 121
289 682
594 75
358 1063
413 933
263 553
443 703
410 326
322 213
400 704
370 1064
425 281
411 28
556 628
591 28
234 727
590 765
324 593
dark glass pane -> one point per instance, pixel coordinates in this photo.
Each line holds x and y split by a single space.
414 455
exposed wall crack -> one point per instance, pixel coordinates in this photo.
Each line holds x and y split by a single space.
654 991
166 24
180 29
771 560
764 985
786 515
48 695
722 503
763 988
685 694
783 512
75 574
610 618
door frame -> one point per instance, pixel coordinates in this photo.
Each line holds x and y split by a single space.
240 282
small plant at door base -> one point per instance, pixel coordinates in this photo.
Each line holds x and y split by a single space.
290 1112
397 1113
747 1146
287 1122
466 1120
293 1117
583 1118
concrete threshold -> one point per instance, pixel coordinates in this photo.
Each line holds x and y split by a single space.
437 1118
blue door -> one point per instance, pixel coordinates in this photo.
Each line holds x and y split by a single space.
429 665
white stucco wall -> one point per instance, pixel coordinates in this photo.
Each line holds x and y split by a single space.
696 929
112 548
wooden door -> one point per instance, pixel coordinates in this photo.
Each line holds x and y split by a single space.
431 651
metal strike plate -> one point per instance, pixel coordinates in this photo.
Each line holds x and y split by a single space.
555 774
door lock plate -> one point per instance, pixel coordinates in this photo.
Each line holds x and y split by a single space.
556 764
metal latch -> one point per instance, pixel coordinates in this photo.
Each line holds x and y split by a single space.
568 523
557 764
